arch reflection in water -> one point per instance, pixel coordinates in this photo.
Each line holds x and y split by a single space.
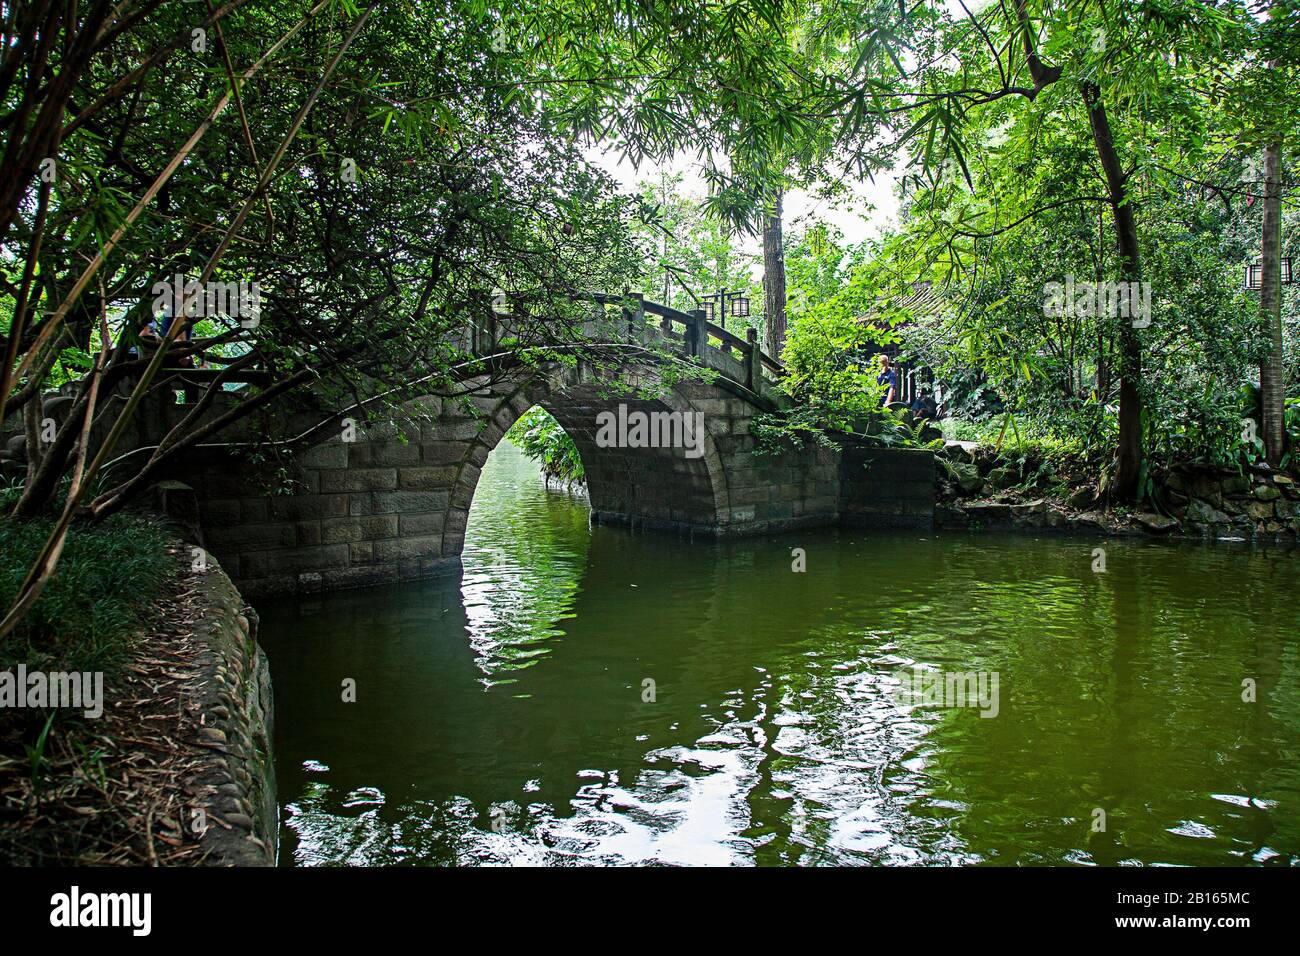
500 716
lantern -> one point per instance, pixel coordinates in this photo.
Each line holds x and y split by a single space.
1255 273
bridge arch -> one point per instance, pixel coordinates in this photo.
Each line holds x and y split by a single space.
390 502
663 488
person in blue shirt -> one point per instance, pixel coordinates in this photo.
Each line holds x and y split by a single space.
889 378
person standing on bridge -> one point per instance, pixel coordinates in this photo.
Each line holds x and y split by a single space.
889 378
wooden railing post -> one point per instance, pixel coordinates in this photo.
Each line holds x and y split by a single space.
753 361
635 317
511 324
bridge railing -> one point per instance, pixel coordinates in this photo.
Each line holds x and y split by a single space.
742 359
739 359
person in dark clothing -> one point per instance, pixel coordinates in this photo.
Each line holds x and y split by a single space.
923 406
182 337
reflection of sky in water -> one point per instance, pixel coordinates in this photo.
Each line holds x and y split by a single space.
848 786
688 805
514 733
690 811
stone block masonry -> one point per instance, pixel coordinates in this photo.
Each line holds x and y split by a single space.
886 487
393 504
234 784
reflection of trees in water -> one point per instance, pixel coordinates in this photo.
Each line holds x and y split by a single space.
775 737
525 549
1122 692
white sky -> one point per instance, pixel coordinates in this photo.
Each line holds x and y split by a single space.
874 207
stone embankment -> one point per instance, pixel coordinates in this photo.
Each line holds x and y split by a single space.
982 491
236 815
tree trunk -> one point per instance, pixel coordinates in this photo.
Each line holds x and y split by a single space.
1272 384
1103 369
773 281
1128 464
47 464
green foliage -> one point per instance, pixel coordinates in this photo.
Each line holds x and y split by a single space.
688 252
761 91
997 348
465 124
841 318
1015 435
539 436
801 426
826 356
816 266
420 181
104 591
36 753
1008 192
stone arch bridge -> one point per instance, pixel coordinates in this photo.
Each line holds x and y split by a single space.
381 504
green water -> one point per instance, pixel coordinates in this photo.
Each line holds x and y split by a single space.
501 717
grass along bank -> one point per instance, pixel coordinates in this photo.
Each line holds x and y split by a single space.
77 789
539 436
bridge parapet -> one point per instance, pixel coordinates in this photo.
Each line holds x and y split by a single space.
632 320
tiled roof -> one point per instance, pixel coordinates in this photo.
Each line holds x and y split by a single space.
922 301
